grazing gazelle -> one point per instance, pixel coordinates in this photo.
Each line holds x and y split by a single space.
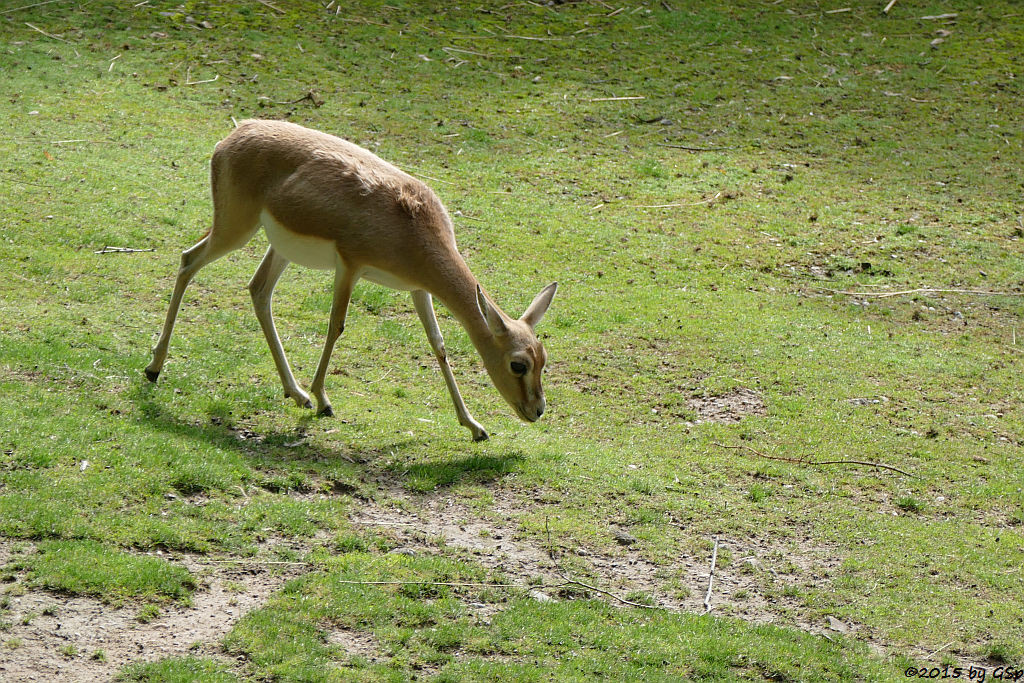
327 203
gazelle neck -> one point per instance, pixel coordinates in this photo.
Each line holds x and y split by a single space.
458 293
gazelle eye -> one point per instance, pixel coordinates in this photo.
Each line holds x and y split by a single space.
518 368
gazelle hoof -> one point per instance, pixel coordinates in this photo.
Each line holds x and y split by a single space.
482 436
327 411
151 375
301 400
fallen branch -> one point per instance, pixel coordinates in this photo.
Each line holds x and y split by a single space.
273 7
120 250
313 96
48 35
574 582
694 149
26 182
189 81
38 4
923 290
567 582
617 99
799 461
428 583
670 206
711 578
256 562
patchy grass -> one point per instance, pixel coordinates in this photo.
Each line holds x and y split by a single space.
445 631
89 568
720 239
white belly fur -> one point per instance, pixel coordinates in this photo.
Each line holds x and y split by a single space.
316 252
387 279
312 252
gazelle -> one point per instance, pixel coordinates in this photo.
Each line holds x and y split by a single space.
327 203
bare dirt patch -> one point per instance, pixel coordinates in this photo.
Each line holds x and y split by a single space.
428 524
356 643
56 637
728 408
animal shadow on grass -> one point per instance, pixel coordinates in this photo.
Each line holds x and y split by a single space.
401 463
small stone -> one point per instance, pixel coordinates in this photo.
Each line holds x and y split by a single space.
624 537
540 596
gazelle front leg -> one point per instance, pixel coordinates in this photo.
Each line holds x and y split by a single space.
261 288
192 260
425 309
343 283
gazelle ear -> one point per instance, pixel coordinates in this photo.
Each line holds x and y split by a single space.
494 320
536 310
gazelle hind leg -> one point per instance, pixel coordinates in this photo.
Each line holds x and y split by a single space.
261 288
343 283
225 237
425 309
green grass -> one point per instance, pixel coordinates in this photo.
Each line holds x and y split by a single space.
829 152
178 670
88 568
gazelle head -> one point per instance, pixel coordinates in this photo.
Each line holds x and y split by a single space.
515 361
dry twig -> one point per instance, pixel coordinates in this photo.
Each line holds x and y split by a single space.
923 290
799 461
711 578
313 96
271 6
256 562
671 206
48 2
48 35
120 250
567 582
618 99
694 149
427 583
574 582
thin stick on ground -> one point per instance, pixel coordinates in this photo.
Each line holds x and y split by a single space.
923 290
428 583
799 461
48 35
120 250
671 206
271 6
38 4
694 149
711 578
567 582
574 582
257 563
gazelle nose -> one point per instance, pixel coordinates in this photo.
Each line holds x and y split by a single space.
540 410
